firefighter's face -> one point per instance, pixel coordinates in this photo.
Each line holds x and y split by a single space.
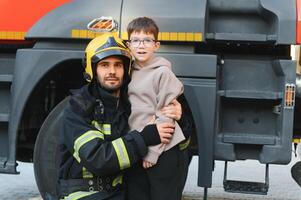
143 46
110 72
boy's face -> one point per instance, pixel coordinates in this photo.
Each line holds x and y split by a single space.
143 46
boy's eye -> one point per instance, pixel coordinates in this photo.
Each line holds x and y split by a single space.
135 41
147 41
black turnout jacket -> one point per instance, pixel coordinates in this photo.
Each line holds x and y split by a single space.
96 147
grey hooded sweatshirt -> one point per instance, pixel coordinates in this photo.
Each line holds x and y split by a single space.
152 87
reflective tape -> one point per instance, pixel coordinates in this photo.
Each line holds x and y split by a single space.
185 144
81 33
96 125
117 180
83 139
121 152
78 195
86 173
162 36
104 128
12 35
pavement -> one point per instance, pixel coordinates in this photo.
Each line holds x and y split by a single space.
282 186
19 187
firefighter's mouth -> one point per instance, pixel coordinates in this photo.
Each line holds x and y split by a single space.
112 79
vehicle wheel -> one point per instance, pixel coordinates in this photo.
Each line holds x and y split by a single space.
46 152
296 172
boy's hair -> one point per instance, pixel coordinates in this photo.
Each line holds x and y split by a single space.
144 24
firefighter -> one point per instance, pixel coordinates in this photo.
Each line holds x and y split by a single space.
96 147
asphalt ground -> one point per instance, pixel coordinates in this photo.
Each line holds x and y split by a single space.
282 186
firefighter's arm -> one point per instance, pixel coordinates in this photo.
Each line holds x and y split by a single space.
101 157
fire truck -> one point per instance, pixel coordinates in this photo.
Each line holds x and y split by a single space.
241 90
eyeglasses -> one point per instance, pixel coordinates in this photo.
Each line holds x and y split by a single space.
147 42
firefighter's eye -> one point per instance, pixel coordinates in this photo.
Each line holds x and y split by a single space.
119 65
103 64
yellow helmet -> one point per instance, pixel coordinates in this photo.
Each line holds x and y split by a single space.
102 47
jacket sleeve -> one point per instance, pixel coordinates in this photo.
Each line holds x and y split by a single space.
89 147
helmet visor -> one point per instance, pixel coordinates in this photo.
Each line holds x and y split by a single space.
111 52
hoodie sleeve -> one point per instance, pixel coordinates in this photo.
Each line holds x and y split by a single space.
169 87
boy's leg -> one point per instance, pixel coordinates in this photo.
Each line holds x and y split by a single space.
137 184
167 177
184 167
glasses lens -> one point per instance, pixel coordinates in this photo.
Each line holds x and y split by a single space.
148 42
135 42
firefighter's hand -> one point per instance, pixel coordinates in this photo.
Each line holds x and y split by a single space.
172 110
166 131
147 164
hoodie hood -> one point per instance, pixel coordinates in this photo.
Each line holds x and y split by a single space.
153 63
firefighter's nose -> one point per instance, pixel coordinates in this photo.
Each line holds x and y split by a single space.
112 70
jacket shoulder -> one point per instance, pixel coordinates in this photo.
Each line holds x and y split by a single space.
82 102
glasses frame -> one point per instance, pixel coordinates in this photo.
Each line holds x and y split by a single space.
143 41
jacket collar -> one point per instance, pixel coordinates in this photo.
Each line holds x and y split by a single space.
108 99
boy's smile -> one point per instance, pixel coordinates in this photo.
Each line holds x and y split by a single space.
143 46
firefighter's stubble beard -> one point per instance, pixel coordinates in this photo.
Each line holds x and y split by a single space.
103 83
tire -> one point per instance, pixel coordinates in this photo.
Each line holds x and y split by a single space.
296 172
46 152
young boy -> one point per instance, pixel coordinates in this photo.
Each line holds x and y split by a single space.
153 86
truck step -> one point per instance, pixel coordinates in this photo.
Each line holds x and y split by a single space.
4 117
7 64
246 187
6 78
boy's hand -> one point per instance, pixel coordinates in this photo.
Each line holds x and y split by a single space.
147 164
166 131
172 110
